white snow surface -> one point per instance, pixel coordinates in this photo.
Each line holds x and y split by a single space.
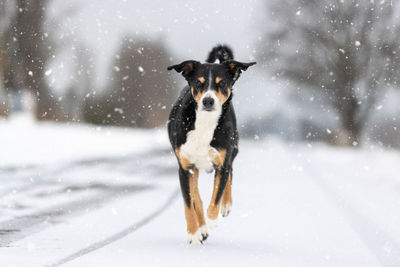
26 143
75 195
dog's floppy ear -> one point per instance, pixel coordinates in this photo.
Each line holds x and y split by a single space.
235 67
186 67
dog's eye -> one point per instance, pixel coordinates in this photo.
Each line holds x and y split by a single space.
222 84
199 84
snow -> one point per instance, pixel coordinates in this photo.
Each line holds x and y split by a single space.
293 204
48 72
28 142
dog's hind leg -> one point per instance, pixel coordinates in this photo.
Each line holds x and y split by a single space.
198 205
226 205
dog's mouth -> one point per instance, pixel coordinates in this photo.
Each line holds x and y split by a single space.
208 109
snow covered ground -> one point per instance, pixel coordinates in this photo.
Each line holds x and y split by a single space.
76 195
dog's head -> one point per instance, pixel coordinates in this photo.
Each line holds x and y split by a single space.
211 84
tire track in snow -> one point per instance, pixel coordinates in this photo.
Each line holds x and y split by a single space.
23 226
44 174
377 240
134 227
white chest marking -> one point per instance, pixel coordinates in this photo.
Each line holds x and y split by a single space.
197 148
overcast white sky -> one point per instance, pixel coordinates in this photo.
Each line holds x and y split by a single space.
189 28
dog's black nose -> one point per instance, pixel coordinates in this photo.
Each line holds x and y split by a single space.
208 102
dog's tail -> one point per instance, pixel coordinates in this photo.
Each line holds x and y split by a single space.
221 53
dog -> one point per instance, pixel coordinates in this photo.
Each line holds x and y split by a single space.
203 134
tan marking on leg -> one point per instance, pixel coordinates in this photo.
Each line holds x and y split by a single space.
191 220
184 162
220 158
227 195
212 211
218 79
197 199
201 79
190 212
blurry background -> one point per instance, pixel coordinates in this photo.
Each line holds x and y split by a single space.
86 171
327 70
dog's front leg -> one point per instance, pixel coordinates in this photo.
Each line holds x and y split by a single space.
226 205
198 205
187 187
220 181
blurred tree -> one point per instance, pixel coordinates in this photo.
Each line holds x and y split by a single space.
140 92
81 85
346 52
4 103
28 50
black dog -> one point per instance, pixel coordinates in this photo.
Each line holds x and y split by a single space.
203 133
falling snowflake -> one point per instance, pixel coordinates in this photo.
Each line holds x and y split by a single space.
119 110
48 72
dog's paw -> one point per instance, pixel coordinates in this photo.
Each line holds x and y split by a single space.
196 238
226 209
204 232
212 224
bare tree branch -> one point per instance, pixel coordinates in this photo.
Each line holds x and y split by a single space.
333 47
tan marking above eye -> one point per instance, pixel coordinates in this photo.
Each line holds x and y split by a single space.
201 79
218 79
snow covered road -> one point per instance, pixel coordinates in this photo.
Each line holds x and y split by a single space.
293 204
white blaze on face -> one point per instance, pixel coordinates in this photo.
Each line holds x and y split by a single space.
211 93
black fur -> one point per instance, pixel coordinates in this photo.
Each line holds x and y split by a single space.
222 53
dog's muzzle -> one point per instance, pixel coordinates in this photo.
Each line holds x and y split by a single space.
208 103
